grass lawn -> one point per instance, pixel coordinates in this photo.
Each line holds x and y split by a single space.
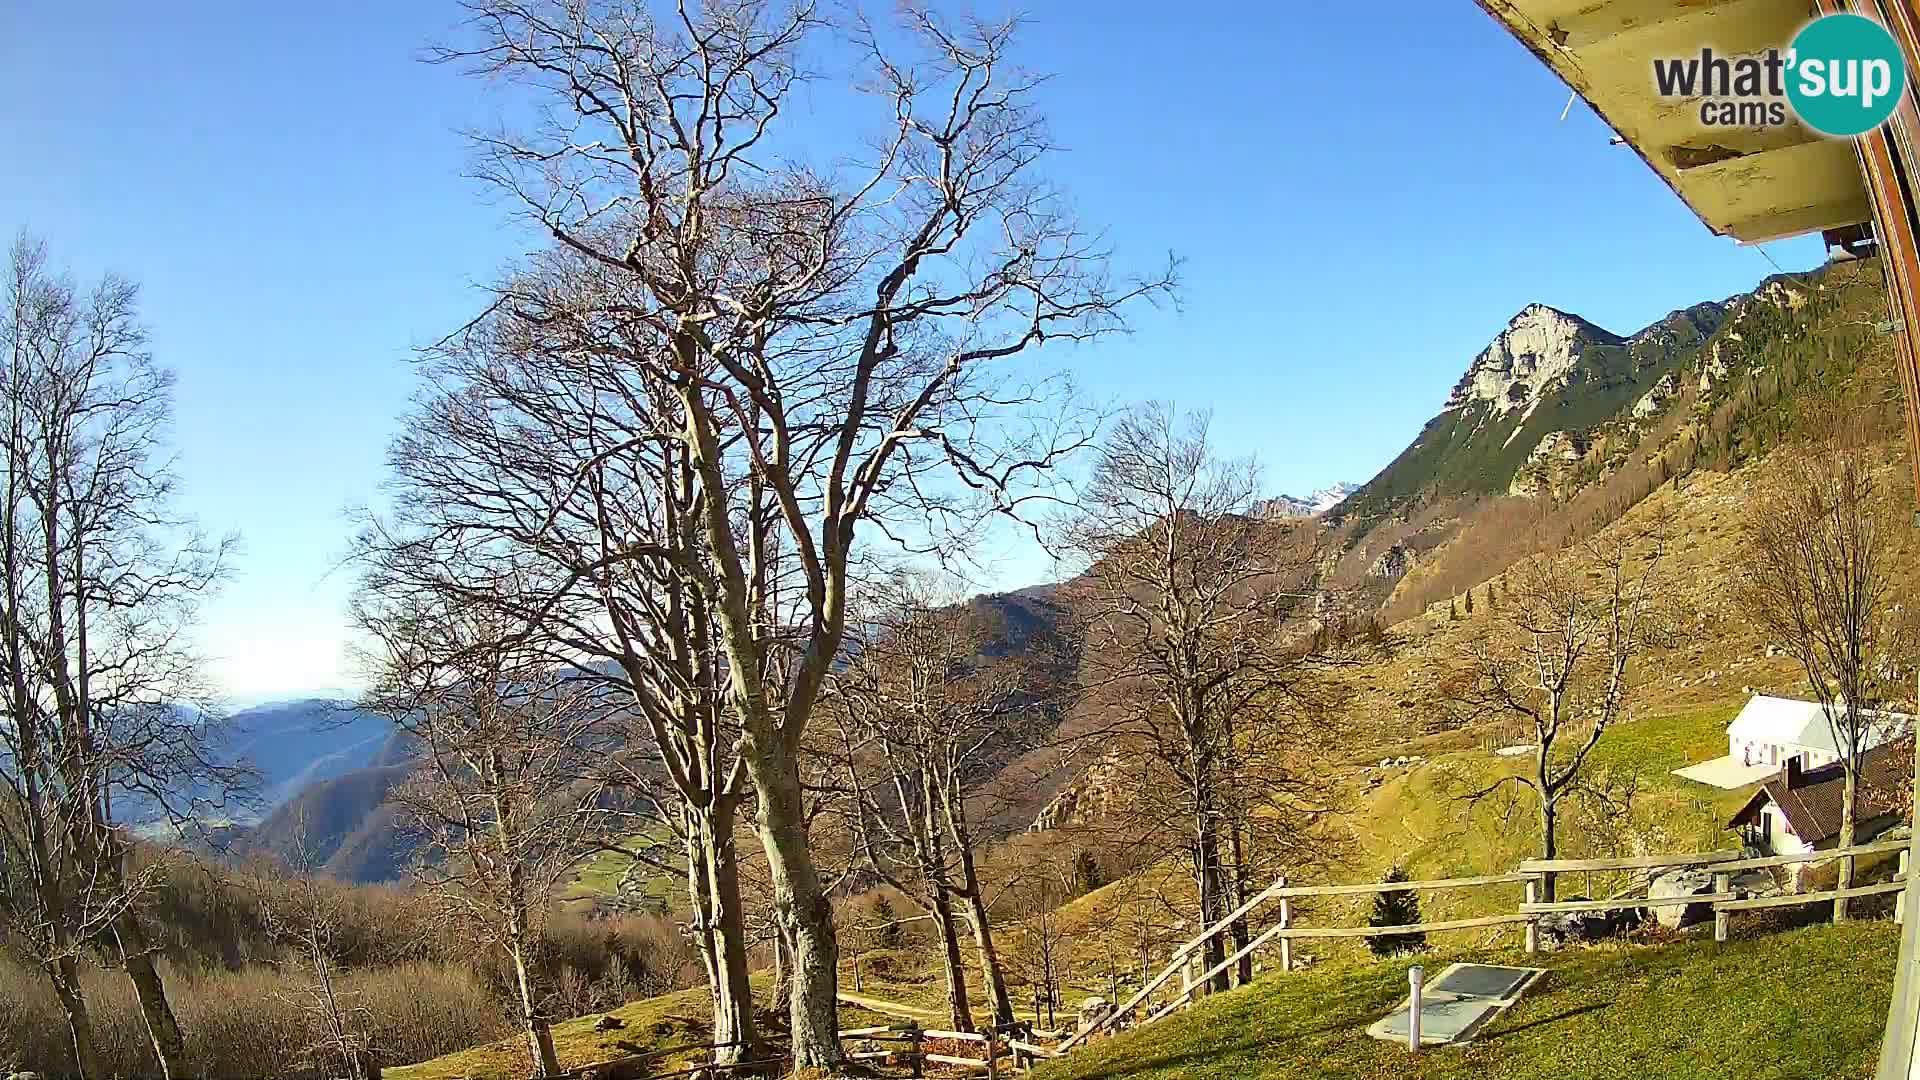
1803 1004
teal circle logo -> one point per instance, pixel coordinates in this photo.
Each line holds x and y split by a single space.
1846 75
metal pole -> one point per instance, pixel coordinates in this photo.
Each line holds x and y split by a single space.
1416 982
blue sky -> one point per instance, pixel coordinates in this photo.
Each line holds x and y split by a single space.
1362 196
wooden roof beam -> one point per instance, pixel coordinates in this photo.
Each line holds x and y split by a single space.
1588 23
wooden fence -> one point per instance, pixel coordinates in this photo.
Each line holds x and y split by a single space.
1532 876
1018 1047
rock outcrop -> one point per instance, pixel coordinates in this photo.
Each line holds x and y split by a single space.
1654 401
1087 798
1549 467
1393 562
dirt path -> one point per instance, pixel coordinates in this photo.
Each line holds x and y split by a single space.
891 1008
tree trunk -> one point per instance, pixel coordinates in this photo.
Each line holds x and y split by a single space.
1846 838
956 971
713 886
954 809
65 975
800 904
163 1029
1212 884
1549 845
781 998
990 970
733 994
539 1030
1242 934
700 902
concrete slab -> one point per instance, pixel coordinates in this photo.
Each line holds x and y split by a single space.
1455 1006
1440 1021
1482 980
1726 773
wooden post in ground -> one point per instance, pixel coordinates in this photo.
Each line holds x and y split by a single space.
1900 898
993 1054
1286 920
1188 991
915 1051
1722 883
1533 924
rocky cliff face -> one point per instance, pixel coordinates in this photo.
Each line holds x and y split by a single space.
1538 352
1550 466
1088 798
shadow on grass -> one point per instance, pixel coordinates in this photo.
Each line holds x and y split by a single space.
1564 1014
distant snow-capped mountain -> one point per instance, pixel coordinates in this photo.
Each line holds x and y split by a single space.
1319 502
1331 496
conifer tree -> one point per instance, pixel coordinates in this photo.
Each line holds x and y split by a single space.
1400 908
1087 874
888 933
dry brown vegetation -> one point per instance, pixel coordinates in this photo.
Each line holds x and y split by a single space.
419 987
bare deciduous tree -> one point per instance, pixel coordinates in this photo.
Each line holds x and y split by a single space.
1817 579
541 482
1199 637
926 713
827 335
507 797
1559 655
306 917
103 721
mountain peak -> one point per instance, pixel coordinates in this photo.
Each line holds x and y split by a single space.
1539 348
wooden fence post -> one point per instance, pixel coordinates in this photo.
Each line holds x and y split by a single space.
915 1050
1722 882
1286 921
1900 898
1533 924
993 1055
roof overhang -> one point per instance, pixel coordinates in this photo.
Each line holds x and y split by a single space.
1750 183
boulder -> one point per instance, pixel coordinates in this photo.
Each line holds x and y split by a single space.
1678 883
1093 1010
1755 883
1580 927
